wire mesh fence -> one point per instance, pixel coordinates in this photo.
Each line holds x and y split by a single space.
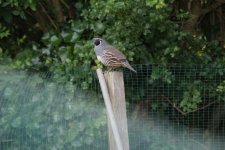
175 107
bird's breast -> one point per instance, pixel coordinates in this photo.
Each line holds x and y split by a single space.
100 59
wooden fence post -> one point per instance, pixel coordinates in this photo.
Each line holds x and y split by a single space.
115 84
111 117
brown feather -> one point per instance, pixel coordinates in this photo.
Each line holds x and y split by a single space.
114 58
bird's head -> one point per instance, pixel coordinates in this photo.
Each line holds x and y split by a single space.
99 42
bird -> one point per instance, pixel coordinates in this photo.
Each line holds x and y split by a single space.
109 56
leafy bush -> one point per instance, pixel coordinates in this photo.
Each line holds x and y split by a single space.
16 8
4 32
141 29
39 114
191 99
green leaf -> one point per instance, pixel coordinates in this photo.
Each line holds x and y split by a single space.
55 41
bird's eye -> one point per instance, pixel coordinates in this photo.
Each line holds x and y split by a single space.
98 42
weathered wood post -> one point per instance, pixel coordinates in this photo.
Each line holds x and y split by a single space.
115 84
109 110
112 86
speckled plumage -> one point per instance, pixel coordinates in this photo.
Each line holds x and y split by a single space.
110 56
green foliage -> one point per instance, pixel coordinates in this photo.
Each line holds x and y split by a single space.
191 99
35 110
129 25
163 74
4 32
141 29
221 87
62 54
187 87
10 8
221 91
63 50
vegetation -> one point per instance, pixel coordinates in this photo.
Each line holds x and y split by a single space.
55 36
41 114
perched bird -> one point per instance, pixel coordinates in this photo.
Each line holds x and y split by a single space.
110 56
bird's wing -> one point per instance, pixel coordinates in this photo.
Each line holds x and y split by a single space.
114 53
115 58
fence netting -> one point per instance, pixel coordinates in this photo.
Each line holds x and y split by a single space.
173 107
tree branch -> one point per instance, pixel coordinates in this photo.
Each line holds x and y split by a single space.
58 11
174 105
65 4
186 113
40 20
212 7
189 5
49 18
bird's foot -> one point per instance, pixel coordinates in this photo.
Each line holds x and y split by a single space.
109 70
113 70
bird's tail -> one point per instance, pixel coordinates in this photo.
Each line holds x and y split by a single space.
127 65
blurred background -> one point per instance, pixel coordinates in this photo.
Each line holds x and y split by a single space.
49 94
